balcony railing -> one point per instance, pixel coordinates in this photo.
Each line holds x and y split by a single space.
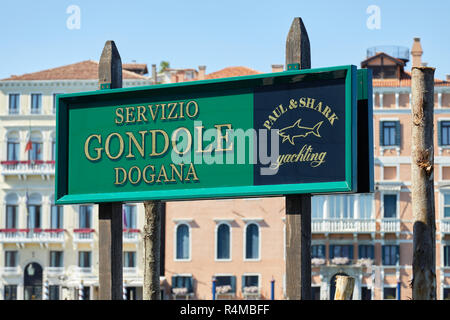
129 270
10 270
35 235
83 270
445 226
29 167
390 225
83 235
343 225
131 235
54 270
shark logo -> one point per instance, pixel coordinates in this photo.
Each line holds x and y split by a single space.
298 131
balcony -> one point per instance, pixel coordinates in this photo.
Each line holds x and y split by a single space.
81 236
36 235
131 235
45 169
54 271
343 226
10 271
130 270
390 225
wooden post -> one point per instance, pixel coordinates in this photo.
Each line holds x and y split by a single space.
110 214
152 246
344 288
422 185
298 207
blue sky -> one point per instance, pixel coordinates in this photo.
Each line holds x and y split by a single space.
218 34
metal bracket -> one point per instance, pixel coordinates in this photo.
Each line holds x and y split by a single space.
293 66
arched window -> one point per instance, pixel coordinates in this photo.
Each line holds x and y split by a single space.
223 241
33 202
12 201
13 146
252 241
182 241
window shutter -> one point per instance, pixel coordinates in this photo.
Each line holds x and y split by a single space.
190 284
350 252
381 134
397 133
383 255
243 283
439 134
371 252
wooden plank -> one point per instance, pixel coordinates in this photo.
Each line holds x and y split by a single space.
110 221
298 207
344 288
422 184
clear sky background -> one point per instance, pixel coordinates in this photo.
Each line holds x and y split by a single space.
218 34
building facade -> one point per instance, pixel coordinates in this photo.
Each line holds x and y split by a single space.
235 247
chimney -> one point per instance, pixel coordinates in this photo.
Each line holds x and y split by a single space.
416 53
154 73
277 68
201 72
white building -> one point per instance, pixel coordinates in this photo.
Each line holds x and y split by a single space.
45 247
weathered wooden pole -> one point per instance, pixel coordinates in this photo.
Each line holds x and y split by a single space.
110 214
422 185
344 288
152 246
298 207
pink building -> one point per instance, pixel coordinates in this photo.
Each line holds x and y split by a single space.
241 243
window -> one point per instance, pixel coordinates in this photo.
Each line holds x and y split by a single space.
129 216
53 148
390 293
252 241
56 259
225 284
56 217
12 147
53 292
182 241
11 259
14 103
390 133
366 251
180 282
11 216
34 211
10 292
85 217
447 205
223 241
341 251
129 259
366 293
250 284
444 133
315 293
390 206
318 251
36 102
446 256
84 259
446 294
35 153
390 255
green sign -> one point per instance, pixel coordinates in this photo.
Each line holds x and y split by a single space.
270 134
